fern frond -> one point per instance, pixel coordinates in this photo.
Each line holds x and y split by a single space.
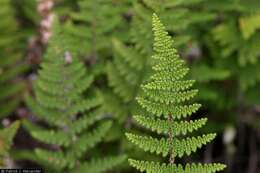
165 100
69 107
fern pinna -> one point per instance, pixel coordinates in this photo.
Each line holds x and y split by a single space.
131 64
65 103
164 98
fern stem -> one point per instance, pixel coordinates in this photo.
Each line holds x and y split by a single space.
171 156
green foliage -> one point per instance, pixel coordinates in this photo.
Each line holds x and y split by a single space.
67 104
27 10
132 64
97 21
237 36
227 70
165 98
128 69
11 85
218 39
6 140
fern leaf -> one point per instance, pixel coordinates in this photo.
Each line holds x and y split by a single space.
66 102
165 101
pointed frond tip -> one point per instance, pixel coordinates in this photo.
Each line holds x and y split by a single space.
163 43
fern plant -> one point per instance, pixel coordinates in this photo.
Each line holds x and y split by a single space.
11 65
67 105
131 64
164 100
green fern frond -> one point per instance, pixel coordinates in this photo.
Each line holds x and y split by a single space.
165 101
66 102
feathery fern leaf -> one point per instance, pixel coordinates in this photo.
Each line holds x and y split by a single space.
66 102
159 100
